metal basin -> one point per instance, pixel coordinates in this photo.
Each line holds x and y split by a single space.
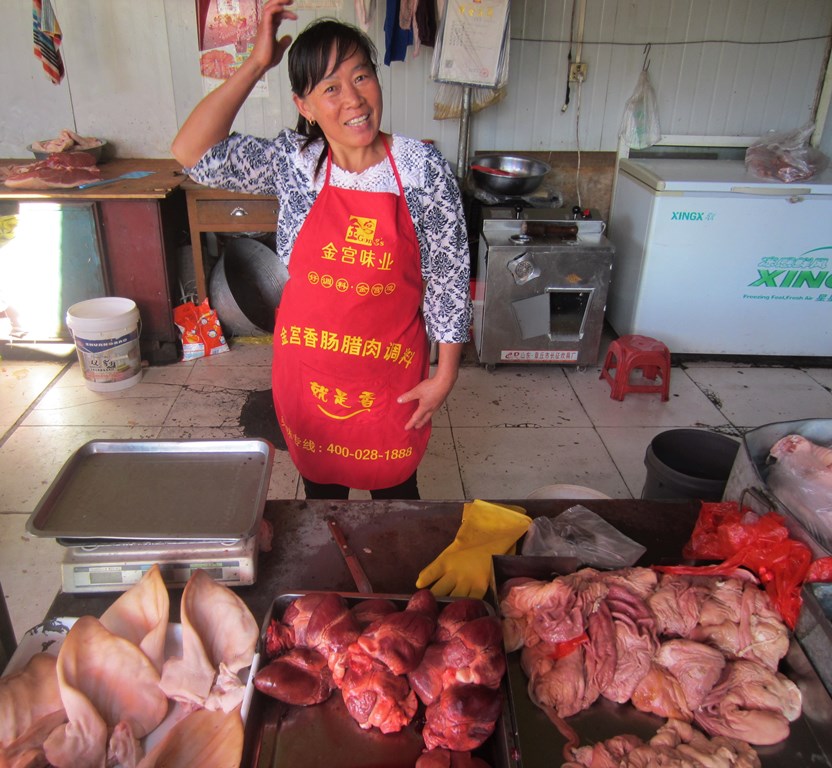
508 174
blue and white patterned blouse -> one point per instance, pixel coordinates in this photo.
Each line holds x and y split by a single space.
281 168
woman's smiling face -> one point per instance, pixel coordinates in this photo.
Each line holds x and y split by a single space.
346 103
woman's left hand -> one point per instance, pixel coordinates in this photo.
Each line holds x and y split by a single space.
430 394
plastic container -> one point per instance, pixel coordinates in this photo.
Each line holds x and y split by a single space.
560 491
688 464
245 287
106 333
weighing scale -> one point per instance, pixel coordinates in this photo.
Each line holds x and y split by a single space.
118 507
117 565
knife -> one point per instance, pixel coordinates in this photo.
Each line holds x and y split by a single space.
358 575
130 175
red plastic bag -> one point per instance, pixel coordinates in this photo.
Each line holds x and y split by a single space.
742 538
199 329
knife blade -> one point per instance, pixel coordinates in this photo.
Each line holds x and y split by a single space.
358 574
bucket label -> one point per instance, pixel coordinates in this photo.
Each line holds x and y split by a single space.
109 360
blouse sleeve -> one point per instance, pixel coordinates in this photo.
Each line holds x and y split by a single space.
446 260
247 164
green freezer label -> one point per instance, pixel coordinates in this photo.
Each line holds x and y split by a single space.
793 278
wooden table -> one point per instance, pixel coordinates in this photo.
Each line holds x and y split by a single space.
139 224
217 210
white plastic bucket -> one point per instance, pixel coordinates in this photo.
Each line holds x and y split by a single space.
106 334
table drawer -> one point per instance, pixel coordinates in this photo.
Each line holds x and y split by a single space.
238 215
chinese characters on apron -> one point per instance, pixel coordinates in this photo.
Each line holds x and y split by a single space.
349 338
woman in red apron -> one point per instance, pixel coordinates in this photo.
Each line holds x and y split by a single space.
349 339
350 377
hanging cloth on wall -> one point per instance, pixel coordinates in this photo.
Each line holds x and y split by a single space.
425 20
47 37
365 11
396 39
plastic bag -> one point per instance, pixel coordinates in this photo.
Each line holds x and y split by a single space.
579 532
640 123
785 156
200 330
741 538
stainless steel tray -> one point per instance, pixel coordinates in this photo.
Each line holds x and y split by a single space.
157 490
325 735
540 744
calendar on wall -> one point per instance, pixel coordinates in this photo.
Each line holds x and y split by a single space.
472 43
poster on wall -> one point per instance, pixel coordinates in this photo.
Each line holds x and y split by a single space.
302 5
471 44
226 30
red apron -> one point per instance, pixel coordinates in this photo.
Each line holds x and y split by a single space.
349 338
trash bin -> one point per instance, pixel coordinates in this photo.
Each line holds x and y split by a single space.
688 464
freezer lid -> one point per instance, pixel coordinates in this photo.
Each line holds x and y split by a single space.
695 175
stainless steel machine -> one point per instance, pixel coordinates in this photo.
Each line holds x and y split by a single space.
540 289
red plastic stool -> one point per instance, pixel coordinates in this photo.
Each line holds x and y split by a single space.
634 352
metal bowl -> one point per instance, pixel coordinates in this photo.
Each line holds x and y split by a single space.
508 174
96 151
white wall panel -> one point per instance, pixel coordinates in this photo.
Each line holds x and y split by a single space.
719 68
119 72
31 107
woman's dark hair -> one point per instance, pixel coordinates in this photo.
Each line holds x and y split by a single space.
309 60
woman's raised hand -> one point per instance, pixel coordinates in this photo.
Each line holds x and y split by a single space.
268 48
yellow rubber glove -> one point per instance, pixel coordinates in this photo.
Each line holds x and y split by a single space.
464 567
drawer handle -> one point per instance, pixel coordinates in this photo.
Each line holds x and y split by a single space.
239 212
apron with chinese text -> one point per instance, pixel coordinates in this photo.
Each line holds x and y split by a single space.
349 338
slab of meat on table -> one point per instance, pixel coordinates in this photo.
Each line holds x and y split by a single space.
58 171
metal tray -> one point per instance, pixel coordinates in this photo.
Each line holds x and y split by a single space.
540 744
325 735
157 490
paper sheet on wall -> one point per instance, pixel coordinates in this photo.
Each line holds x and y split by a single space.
226 29
472 42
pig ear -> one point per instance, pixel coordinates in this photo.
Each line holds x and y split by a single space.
104 680
204 738
219 635
141 615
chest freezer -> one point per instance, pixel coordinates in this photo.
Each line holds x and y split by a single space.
713 260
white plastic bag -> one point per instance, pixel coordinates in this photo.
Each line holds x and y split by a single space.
580 533
640 123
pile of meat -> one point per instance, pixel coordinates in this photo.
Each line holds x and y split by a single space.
696 649
67 141
676 743
110 685
801 478
383 661
61 170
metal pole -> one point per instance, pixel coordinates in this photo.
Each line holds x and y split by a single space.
464 134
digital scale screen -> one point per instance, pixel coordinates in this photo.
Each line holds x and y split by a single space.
117 567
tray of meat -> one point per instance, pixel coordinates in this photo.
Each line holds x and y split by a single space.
787 467
634 665
351 680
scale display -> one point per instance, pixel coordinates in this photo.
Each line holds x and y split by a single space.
115 567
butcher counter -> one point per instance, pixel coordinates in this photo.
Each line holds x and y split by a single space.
394 540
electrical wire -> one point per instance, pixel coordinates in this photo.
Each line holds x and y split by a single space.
579 89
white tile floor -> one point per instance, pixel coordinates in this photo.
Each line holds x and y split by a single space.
501 434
